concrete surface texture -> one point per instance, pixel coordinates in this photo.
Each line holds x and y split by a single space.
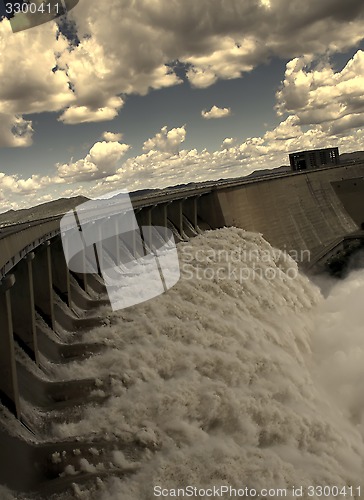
297 212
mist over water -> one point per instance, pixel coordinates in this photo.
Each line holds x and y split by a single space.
338 347
247 378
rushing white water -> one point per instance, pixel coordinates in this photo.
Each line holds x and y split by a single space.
241 375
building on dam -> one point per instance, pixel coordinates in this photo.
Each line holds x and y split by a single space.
314 158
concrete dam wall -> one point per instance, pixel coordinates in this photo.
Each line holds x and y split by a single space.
314 211
294 212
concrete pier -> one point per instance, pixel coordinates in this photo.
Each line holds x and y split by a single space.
175 215
60 272
43 283
190 210
9 388
160 215
23 307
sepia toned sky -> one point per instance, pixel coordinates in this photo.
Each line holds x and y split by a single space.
152 93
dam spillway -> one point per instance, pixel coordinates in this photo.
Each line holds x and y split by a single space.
308 212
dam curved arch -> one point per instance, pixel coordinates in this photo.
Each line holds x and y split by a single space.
294 211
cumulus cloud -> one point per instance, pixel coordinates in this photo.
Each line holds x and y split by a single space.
17 193
166 140
216 112
31 185
84 81
161 168
228 142
34 87
286 130
231 37
7 182
13 188
15 131
228 61
84 114
101 161
112 136
320 96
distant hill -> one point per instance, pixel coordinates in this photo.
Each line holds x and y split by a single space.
51 208
42 211
142 192
355 157
270 171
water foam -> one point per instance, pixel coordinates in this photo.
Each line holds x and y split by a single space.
252 381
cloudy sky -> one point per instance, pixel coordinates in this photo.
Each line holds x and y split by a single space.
150 93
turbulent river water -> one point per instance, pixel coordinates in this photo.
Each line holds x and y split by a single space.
242 375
